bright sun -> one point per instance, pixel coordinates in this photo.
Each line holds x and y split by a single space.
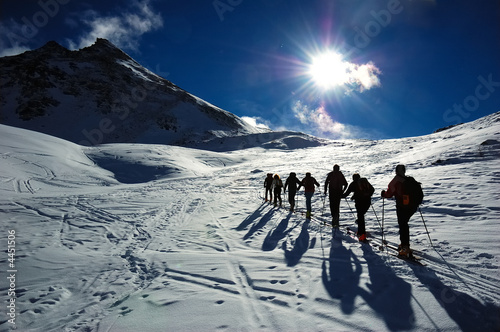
328 70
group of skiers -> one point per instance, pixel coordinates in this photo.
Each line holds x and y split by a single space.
405 189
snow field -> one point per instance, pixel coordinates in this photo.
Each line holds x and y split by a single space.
127 237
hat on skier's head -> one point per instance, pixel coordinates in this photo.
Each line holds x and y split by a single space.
400 170
336 168
293 174
308 174
356 176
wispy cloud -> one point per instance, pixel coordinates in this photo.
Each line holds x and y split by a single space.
318 122
12 41
123 30
302 116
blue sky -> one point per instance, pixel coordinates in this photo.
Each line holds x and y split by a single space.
394 68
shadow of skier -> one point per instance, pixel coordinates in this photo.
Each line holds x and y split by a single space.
341 279
258 218
275 235
389 295
300 246
469 313
254 216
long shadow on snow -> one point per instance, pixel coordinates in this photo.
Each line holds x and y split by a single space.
250 219
341 280
264 219
469 313
275 235
300 246
388 295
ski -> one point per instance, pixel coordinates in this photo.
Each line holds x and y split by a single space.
394 251
354 235
413 260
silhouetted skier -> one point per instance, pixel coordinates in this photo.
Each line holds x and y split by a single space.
362 197
408 195
268 183
336 184
293 184
308 183
277 186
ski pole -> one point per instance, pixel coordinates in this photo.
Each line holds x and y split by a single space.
383 205
349 205
432 245
378 221
323 209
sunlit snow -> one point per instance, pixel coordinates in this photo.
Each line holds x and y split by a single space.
126 237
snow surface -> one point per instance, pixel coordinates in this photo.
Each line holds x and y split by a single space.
126 237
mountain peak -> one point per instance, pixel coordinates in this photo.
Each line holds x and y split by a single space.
53 45
53 48
103 47
72 94
104 44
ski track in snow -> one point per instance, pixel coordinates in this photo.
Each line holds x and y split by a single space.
195 247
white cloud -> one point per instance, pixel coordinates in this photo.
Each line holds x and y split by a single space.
122 30
14 50
12 40
330 70
364 77
255 121
318 122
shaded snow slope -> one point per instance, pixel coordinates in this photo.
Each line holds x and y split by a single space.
32 162
128 237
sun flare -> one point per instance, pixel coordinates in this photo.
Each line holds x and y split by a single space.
329 70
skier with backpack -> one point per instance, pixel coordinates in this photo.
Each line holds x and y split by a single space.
293 184
308 183
362 197
277 186
268 183
336 184
409 196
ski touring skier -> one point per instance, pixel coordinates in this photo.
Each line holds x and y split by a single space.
308 183
268 183
293 184
336 184
362 197
277 186
408 194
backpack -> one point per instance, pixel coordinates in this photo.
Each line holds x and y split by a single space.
412 192
365 188
336 181
308 183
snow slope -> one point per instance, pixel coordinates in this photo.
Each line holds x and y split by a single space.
126 237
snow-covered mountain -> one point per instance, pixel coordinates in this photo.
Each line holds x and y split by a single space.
144 237
99 94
